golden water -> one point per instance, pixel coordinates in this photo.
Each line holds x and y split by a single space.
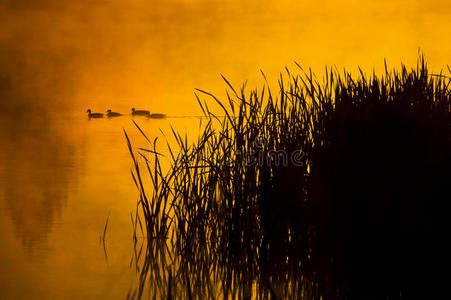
61 175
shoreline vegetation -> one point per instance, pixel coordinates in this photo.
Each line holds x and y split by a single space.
319 190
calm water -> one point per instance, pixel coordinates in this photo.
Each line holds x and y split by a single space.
61 175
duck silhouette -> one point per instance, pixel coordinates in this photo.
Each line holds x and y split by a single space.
157 116
140 112
111 114
94 115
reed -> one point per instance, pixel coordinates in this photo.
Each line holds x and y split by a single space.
324 189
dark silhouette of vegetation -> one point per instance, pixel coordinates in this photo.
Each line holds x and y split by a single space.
360 215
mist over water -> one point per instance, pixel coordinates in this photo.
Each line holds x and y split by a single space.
61 174
154 53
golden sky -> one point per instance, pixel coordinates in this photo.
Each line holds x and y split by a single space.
147 53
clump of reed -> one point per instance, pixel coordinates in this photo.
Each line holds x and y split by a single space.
332 189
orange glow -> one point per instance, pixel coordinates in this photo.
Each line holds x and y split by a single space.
155 53
61 174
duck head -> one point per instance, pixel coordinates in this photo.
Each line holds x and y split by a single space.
88 111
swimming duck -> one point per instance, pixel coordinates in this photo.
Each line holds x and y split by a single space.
157 116
94 115
140 112
111 114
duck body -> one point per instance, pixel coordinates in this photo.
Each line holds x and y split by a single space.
140 112
157 116
94 115
112 114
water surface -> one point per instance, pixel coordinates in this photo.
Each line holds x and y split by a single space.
61 175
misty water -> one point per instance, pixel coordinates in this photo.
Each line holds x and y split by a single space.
61 176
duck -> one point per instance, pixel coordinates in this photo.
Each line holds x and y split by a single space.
94 115
157 116
140 112
111 114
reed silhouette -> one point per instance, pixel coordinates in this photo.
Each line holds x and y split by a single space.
361 214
